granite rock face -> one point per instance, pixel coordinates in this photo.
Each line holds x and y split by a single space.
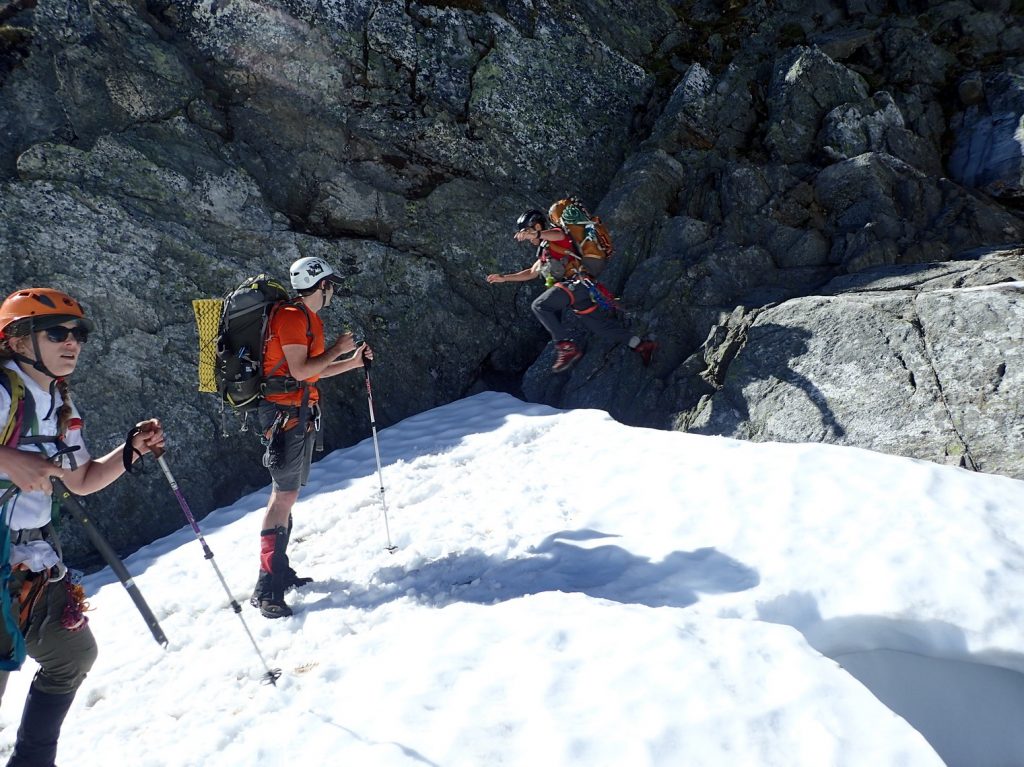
745 155
921 360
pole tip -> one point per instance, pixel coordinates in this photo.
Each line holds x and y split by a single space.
272 676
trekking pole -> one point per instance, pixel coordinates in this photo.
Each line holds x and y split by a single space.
376 451
77 510
272 675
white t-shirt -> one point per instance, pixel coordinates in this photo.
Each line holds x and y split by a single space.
32 510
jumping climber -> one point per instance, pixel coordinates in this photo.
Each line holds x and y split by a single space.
569 287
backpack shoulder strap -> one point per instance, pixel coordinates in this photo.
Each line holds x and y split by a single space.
298 303
266 337
9 436
15 388
309 318
12 643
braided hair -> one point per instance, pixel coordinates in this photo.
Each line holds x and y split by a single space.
64 413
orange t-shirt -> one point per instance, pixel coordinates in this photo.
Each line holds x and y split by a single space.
288 327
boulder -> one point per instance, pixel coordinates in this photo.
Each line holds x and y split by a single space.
922 361
806 84
988 154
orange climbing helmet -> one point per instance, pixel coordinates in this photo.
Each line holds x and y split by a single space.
43 307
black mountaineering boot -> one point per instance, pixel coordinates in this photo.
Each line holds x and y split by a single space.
262 589
36 744
272 603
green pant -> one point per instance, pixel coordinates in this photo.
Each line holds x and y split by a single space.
64 657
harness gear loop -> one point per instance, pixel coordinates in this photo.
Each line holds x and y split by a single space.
268 437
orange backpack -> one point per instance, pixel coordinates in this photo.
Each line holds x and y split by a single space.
587 232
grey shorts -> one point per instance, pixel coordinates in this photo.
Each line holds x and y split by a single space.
290 452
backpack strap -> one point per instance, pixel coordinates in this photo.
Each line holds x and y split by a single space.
303 415
576 252
304 407
12 642
20 417
570 255
11 432
15 388
298 303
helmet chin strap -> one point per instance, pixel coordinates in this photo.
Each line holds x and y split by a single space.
37 364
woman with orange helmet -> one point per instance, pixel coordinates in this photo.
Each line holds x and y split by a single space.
42 334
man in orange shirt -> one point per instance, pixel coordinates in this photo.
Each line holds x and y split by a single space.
294 359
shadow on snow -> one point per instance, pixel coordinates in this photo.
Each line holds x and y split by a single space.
967 706
559 563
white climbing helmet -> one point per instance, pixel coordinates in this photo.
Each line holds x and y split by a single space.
308 271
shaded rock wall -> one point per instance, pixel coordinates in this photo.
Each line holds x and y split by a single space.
744 154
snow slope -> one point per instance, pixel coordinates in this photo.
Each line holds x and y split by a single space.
571 591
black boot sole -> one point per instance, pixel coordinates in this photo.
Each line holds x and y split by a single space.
269 609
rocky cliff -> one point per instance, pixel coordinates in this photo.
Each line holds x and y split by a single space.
785 181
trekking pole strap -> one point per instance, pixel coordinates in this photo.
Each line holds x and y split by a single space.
128 452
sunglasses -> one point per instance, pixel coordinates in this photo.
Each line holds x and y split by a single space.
59 334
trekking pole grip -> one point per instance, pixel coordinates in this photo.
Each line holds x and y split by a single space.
130 451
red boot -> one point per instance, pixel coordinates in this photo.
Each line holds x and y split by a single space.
567 353
646 350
